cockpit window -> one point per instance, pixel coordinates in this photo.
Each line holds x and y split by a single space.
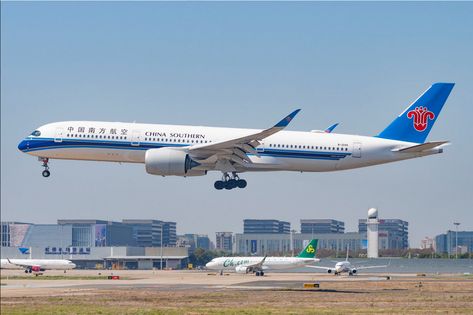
36 133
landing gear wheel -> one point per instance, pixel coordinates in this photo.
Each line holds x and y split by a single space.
232 183
241 183
45 161
219 185
229 182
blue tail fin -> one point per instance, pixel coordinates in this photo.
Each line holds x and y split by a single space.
415 122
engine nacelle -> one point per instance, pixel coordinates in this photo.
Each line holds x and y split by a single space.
36 268
170 162
241 269
329 270
353 271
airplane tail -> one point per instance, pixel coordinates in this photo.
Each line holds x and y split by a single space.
415 122
310 250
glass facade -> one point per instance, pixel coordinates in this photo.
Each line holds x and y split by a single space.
82 235
446 243
252 226
396 230
319 226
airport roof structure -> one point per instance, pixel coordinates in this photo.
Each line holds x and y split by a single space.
145 257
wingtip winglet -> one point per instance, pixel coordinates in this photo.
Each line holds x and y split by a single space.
286 120
330 129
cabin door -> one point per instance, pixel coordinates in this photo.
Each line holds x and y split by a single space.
356 150
59 134
136 138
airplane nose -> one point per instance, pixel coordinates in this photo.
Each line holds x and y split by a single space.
23 145
209 264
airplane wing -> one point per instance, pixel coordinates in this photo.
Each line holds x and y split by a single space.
369 267
421 147
319 267
257 266
236 149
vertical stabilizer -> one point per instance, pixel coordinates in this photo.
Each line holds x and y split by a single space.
309 251
415 122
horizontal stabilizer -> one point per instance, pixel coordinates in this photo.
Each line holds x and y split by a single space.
421 147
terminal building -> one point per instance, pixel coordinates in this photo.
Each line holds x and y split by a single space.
267 244
148 233
265 237
446 243
92 242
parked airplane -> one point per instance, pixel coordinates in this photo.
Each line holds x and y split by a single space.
37 265
345 266
258 265
170 150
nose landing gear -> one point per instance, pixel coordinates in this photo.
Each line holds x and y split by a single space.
46 171
229 182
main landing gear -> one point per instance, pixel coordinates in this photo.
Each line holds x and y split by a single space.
46 171
229 182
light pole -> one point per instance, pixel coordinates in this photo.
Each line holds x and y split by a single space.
161 263
292 241
456 238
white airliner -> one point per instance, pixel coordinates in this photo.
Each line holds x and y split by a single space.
172 150
37 265
258 265
345 266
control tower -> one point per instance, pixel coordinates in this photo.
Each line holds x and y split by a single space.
372 232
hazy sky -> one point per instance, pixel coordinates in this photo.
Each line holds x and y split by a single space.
238 65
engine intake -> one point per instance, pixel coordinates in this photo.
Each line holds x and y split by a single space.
171 162
241 269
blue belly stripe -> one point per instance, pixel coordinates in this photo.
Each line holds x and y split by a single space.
49 144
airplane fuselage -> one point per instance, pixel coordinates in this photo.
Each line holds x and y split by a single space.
270 263
343 266
283 151
44 264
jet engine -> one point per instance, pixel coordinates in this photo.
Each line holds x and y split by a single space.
353 271
170 162
36 268
329 270
241 269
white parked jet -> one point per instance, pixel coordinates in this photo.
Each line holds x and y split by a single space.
258 265
345 266
171 150
37 265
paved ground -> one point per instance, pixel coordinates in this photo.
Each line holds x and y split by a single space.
198 292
